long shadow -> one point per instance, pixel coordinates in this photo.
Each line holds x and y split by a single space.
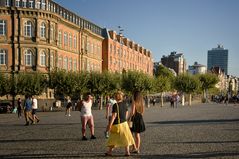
215 121
39 140
101 155
198 142
192 155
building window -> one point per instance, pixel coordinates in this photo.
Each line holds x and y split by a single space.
65 64
28 58
65 39
52 33
75 41
7 3
28 29
2 27
24 3
70 64
70 41
74 65
60 38
60 62
43 4
52 61
43 30
3 55
38 5
17 3
43 58
31 4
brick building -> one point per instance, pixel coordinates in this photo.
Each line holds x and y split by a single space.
41 35
120 53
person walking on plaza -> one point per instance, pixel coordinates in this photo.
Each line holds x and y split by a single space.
19 108
86 116
123 137
34 110
68 107
108 115
138 125
27 110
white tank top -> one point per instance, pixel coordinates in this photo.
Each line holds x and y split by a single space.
86 108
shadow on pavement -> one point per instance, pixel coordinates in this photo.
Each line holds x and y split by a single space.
191 155
101 155
216 121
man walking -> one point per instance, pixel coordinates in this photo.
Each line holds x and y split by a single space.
27 110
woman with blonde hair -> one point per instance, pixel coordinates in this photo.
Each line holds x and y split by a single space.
138 125
124 137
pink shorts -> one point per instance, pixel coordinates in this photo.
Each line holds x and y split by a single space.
87 119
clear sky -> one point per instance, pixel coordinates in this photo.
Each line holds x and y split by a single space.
191 27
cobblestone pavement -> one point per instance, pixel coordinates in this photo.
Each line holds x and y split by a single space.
198 131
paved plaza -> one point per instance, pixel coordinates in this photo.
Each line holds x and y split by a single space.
198 131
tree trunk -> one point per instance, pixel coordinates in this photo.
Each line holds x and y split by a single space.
190 99
183 99
161 99
101 102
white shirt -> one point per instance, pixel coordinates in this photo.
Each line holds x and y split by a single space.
111 103
86 108
34 103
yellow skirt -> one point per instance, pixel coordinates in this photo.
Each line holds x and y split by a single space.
121 139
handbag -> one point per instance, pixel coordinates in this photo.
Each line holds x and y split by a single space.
116 128
130 121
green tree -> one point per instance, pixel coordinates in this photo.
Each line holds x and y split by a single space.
4 84
136 81
207 81
30 83
186 83
64 83
162 84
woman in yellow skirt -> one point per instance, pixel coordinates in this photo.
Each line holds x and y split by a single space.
123 137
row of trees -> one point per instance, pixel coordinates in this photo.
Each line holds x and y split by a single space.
75 84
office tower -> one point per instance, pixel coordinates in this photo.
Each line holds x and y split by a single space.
218 57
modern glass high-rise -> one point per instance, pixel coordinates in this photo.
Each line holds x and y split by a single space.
218 57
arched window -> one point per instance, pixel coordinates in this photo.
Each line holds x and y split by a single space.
43 30
28 28
3 56
28 58
43 58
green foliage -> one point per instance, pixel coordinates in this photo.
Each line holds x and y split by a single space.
164 71
136 81
162 84
4 84
29 84
186 83
208 80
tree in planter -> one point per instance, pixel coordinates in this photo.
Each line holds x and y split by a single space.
207 81
186 83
